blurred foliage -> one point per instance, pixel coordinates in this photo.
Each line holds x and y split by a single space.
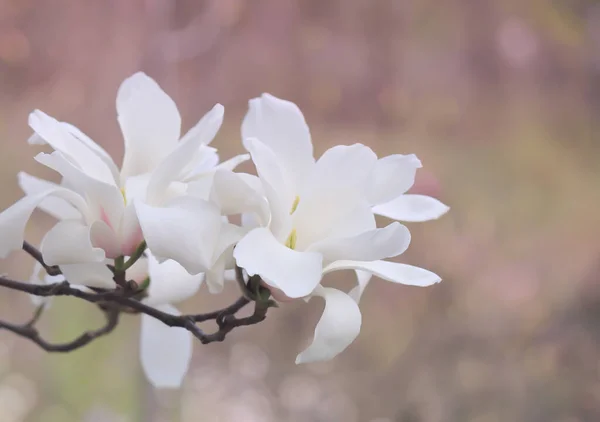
500 100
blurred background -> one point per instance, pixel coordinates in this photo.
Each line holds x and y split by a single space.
499 99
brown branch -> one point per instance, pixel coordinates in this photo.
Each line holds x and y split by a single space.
127 298
225 317
30 332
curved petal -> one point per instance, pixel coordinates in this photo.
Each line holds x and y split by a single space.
337 186
189 148
14 219
139 271
233 162
97 149
206 129
130 232
105 238
234 195
150 123
202 165
368 246
63 141
55 206
68 242
390 271
165 351
187 231
170 282
356 221
277 188
295 273
412 208
215 277
347 167
363 279
280 125
336 330
392 176
92 274
105 201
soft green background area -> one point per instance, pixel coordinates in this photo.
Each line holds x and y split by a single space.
499 99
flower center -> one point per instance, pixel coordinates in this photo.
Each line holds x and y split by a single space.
295 205
291 240
124 196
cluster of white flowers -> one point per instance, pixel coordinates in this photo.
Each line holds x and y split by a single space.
301 218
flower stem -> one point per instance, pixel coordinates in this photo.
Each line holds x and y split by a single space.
136 255
119 262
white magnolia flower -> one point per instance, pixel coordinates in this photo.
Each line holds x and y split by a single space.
165 351
107 213
321 219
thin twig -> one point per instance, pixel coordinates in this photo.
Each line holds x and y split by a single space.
230 310
30 332
37 255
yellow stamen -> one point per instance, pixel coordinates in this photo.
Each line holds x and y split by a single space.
291 240
295 204
124 196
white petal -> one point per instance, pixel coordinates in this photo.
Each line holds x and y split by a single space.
165 351
130 231
233 162
105 238
412 208
354 222
336 187
368 246
363 278
234 195
187 231
170 282
63 141
392 176
250 221
390 271
295 273
94 147
215 277
14 219
173 167
68 242
92 274
206 129
150 123
136 188
281 126
56 207
346 167
105 201
276 186
139 270
203 164
336 330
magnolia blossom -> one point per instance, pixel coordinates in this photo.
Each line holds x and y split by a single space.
302 218
321 218
106 212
